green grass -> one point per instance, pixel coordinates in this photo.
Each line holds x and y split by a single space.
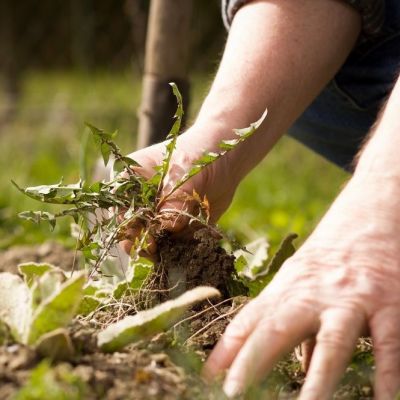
289 191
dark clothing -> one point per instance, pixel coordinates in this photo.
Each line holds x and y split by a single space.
337 122
372 12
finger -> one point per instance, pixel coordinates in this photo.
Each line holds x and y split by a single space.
173 218
232 340
304 353
334 346
385 331
176 211
134 233
272 338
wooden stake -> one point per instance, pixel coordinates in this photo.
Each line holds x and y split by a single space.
166 60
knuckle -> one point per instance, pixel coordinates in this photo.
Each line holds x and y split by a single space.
238 329
389 344
334 338
275 328
236 332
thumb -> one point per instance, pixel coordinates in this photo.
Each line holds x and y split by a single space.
175 212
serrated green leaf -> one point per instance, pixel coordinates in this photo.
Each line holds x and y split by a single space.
149 322
100 133
57 310
90 289
162 170
38 216
90 251
225 146
105 152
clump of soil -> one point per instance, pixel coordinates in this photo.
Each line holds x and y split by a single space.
199 260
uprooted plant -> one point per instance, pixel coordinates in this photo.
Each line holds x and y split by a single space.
182 263
132 197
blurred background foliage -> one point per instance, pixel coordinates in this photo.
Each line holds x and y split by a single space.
66 62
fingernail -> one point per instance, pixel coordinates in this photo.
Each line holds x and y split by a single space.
232 389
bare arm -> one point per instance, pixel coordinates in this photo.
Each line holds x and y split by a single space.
347 274
381 155
279 55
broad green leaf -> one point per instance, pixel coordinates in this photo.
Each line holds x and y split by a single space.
57 310
88 305
45 286
240 264
252 261
266 272
14 304
286 250
56 345
32 270
90 289
136 277
152 321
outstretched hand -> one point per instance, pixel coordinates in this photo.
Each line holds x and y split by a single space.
343 283
214 181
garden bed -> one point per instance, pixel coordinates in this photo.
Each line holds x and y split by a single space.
165 366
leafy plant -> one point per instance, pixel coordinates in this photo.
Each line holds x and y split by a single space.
253 266
41 304
132 197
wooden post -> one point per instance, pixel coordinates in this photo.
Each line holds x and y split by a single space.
166 61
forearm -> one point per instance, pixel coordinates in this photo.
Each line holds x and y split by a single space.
279 55
380 156
372 194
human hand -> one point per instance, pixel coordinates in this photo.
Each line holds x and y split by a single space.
215 181
343 283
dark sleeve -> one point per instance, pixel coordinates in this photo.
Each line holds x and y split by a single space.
372 12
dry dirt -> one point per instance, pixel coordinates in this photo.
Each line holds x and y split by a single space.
167 366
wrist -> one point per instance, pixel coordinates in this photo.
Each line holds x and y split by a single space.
372 197
195 143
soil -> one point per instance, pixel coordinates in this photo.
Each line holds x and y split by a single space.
49 252
168 365
200 260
